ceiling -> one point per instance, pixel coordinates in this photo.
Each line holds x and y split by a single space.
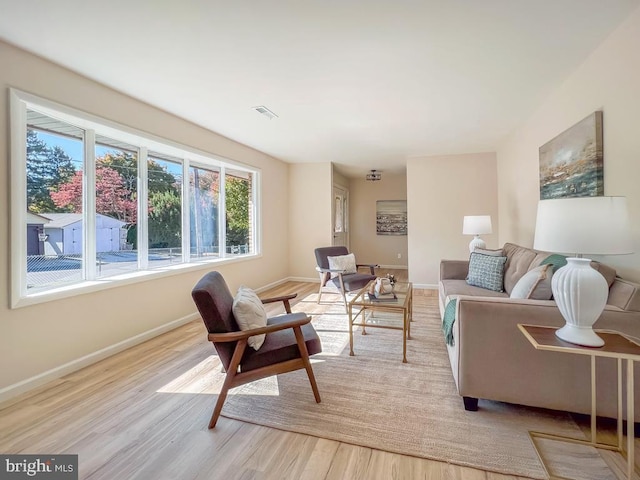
361 83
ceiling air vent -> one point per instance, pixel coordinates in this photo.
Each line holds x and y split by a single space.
265 111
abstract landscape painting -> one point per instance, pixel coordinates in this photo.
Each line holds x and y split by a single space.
571 165
391 217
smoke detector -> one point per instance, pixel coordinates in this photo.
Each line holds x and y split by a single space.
265 111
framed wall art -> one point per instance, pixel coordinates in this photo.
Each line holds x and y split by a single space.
571 165
391 217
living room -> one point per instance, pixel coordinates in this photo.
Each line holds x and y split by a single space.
45 341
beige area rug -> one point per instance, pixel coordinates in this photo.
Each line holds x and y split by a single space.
376 401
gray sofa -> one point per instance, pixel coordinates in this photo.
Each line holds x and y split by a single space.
491 359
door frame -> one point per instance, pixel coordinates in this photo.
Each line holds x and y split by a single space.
344 193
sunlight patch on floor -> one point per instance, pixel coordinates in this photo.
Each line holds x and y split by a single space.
205 377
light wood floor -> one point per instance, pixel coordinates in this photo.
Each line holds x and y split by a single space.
124 425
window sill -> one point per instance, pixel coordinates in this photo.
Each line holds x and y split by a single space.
124 279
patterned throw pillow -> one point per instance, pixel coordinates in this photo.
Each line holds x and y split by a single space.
535 284
486 271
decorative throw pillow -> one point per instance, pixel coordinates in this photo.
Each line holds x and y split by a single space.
486 271
249 313
535 284
343 262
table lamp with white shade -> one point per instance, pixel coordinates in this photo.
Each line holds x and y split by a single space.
584 225
476 225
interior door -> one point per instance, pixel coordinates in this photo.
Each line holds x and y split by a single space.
340 217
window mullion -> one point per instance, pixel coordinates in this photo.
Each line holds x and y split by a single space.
89 206
143 210
186 209
222 214
256 213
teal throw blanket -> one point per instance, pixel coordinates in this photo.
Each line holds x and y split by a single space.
448 320
556 261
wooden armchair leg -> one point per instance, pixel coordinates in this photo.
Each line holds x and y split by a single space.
228 381
344 294
304 354
321 285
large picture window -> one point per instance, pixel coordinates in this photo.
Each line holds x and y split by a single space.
99 201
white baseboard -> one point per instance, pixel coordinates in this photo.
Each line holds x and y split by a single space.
395 267
426 286
271 285
303 279
287 279
16 389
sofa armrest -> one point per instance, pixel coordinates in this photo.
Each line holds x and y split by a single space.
454 269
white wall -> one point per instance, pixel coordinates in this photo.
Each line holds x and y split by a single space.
441 190
609 80
339 179
310 194
36 339
365 243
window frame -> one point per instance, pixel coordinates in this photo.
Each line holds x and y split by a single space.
20 102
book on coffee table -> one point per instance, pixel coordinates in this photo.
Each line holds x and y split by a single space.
383 297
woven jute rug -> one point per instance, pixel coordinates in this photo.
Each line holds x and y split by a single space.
374 400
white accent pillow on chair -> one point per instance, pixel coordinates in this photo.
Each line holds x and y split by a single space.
250 313
343 262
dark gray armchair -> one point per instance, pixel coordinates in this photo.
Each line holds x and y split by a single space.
344 282
289 341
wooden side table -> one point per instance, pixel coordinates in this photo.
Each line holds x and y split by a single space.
617 346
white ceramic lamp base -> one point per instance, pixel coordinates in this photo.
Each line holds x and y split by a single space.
580 336
476 242
581 294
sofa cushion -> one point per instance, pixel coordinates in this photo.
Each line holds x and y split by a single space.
486 271
281 345
609 273
450 288
535 284
519 261
354 282
487 251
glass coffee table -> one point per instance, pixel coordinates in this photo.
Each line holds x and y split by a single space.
392 314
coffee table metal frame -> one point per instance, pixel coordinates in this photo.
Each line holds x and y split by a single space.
616 346
403 307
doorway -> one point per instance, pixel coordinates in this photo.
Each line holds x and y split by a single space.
340 216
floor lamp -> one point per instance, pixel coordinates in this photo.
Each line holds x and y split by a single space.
585 225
